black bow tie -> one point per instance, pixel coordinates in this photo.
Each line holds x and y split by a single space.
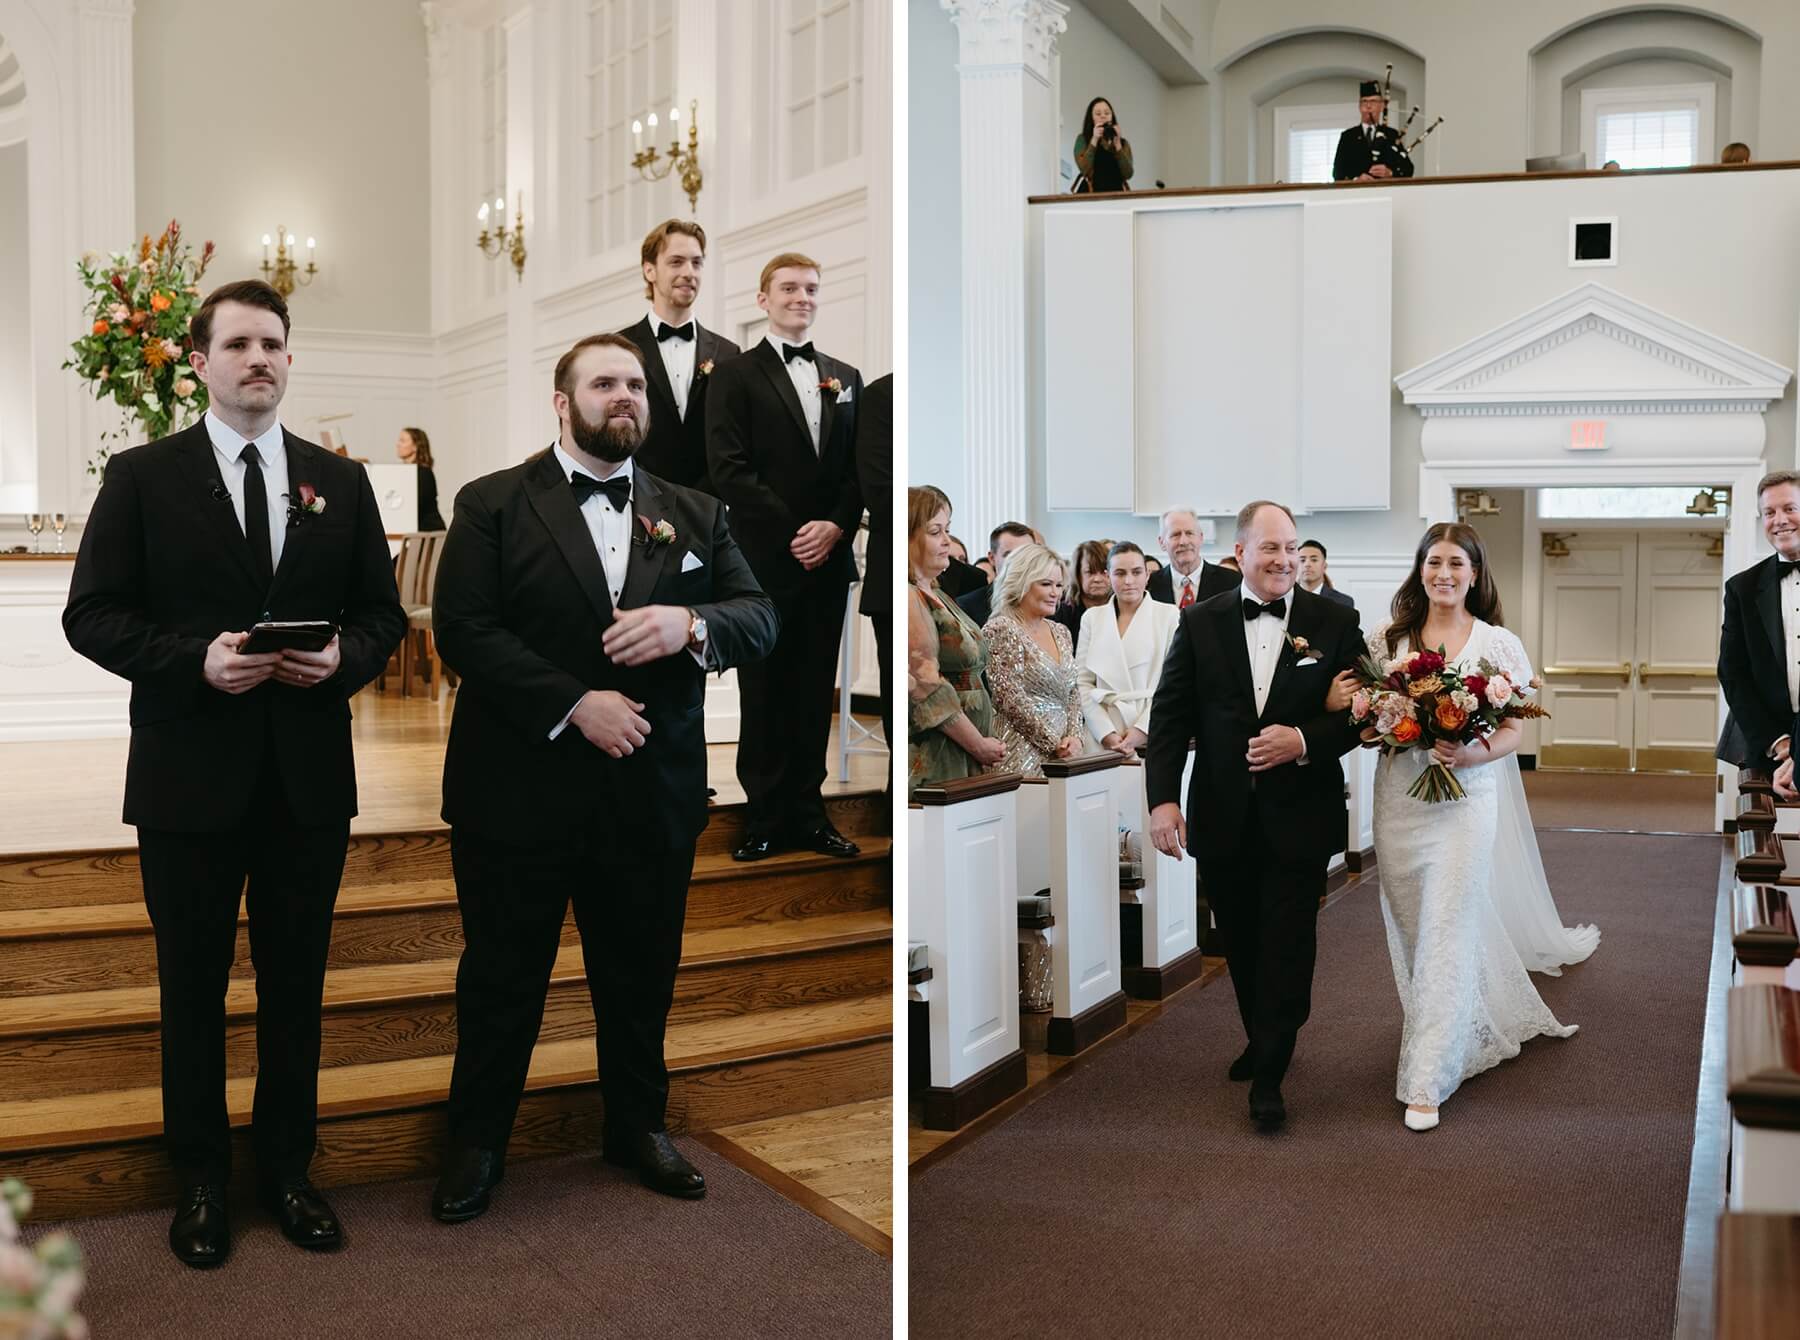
790 352
1255 610
617 489
678 332
1783 568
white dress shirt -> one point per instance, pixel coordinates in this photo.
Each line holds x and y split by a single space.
1790 631
1177 581
804 373
228 446
677 358
1265 637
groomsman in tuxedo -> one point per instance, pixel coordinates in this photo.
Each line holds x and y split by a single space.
679 353
1759 645
1313 574
582 600
875 477
1188 577
780 427
240 765
1246 679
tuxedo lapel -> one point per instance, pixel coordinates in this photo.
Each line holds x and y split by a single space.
775 369
200 464
654 370
547 489
706 349
827 401
644 561
296 541
1768 604
1301 624
1228 622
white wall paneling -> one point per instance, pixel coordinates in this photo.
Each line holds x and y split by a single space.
47 692
1084 891
1346 250
1089 358
1169 925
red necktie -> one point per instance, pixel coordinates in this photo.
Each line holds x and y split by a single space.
1187 593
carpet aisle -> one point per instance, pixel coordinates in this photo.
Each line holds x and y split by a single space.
1136 1198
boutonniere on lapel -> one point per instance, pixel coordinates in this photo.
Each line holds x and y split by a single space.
307 501
833 385
705 369
1302 649
658 534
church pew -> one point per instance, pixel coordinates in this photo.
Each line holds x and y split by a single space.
1760 858
1762 934
1762 1067
962 882
1167 949
1084 899
1756 1284
1756 810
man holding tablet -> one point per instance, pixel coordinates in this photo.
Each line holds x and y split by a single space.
240 767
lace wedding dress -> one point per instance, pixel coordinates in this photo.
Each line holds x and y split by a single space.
1447 872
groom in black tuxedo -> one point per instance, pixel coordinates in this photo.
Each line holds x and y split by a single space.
240 764
1246 679
780 432
679 354
1759 644
582 601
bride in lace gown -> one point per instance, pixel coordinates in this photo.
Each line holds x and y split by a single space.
1462 887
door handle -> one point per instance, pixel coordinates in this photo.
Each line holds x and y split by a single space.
1648 671
1623 670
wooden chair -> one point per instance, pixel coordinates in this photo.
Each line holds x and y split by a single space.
419 626
414 567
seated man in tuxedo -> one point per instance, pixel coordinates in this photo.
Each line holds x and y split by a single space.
1006 537
241 766
581 600
1759 644
1188 577
780 424
1371 150
1314 576
679 353
875 477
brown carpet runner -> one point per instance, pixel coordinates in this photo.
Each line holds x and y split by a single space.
1136 1198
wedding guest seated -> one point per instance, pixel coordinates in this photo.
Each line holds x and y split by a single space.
1313 575
951 716
1102 154
1006 537
1119 657
1089 587
986 564
1735 152
958 550
1152 564
1229 563
1031 665
414 448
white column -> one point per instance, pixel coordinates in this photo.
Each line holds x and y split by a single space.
452 219
878 153
526 392
1008 121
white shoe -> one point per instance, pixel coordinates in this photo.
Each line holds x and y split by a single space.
1421 1121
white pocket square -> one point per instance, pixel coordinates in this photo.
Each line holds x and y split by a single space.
846 395
691 562
1310 660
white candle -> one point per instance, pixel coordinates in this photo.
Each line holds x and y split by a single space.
482 213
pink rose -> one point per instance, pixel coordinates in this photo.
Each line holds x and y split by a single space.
1359 705
1499 690
185 387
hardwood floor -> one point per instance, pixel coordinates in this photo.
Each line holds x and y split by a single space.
844 1154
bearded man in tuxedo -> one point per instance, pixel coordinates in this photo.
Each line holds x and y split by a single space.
240 767
1246 679
581 600
780 430
679 353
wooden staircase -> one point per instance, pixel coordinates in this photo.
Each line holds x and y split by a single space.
783 1004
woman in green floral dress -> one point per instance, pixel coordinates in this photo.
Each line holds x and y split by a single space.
951 715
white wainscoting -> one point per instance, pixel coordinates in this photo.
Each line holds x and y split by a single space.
47 691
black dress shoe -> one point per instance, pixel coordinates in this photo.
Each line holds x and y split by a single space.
464 1186
659 1164
1266 1108
1242 1068
754 849
201 1232
827 841
305 1217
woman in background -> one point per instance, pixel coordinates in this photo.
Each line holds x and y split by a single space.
1120 655
414 448
1031 664
1102 155
950 713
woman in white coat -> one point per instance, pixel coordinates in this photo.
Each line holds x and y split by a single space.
1119 656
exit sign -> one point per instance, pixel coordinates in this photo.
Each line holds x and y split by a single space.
1587 435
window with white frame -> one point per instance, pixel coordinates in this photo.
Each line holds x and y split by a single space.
1632 501
821 85
630 64
1306 140
1667 125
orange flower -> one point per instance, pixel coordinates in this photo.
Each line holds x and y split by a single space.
144 248
100 327
1450 717
155 356
159 302
1406 730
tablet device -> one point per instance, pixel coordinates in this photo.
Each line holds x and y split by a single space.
297 634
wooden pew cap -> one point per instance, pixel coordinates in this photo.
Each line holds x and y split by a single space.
1762 1056
1762 926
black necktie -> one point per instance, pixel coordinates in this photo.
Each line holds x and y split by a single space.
617 489
256 515
792 351
676 332
1255 610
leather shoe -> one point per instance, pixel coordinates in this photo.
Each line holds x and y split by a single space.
200 1234
463 1188
827 841
1266 1108
1242 1068
754 849
659 1164
306 1218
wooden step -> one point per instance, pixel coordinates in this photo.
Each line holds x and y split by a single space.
83 1042
100 1153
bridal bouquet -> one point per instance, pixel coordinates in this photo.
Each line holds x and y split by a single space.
39 1285
1412 702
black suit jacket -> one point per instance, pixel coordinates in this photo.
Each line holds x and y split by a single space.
960 578
761 459
164 569
1214 580
1332 593
675 448
1753 667
978 604
521 605
1356 155
1205 694
875 479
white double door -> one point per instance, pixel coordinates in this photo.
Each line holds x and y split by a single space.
1630 652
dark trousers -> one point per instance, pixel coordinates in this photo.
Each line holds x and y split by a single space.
884 662
192 886
630 904
785 714
1265 898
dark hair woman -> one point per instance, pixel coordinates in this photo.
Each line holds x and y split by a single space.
1433 573
1102 154
414 448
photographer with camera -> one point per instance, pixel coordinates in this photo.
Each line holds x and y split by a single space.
1102 154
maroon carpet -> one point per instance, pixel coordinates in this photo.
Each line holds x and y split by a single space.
1135 1198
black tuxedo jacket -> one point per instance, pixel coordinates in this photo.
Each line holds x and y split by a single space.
875 479
1356 155
1206 694
521 605
960 578
762 463
978 604
164 569
1214 581
1332 593
1753 667
675 448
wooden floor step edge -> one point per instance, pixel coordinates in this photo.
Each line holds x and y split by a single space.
82 920
714 869
126 1115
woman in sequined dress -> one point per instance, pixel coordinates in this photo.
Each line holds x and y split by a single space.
1031 665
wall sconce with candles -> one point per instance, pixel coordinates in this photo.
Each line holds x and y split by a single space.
285 273
685 162
499 241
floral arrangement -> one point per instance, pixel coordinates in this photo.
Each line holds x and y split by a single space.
135 351
38 1285
1412 702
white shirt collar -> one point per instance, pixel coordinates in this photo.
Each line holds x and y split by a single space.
228 442
570 466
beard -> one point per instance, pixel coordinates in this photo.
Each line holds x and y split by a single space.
607 440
